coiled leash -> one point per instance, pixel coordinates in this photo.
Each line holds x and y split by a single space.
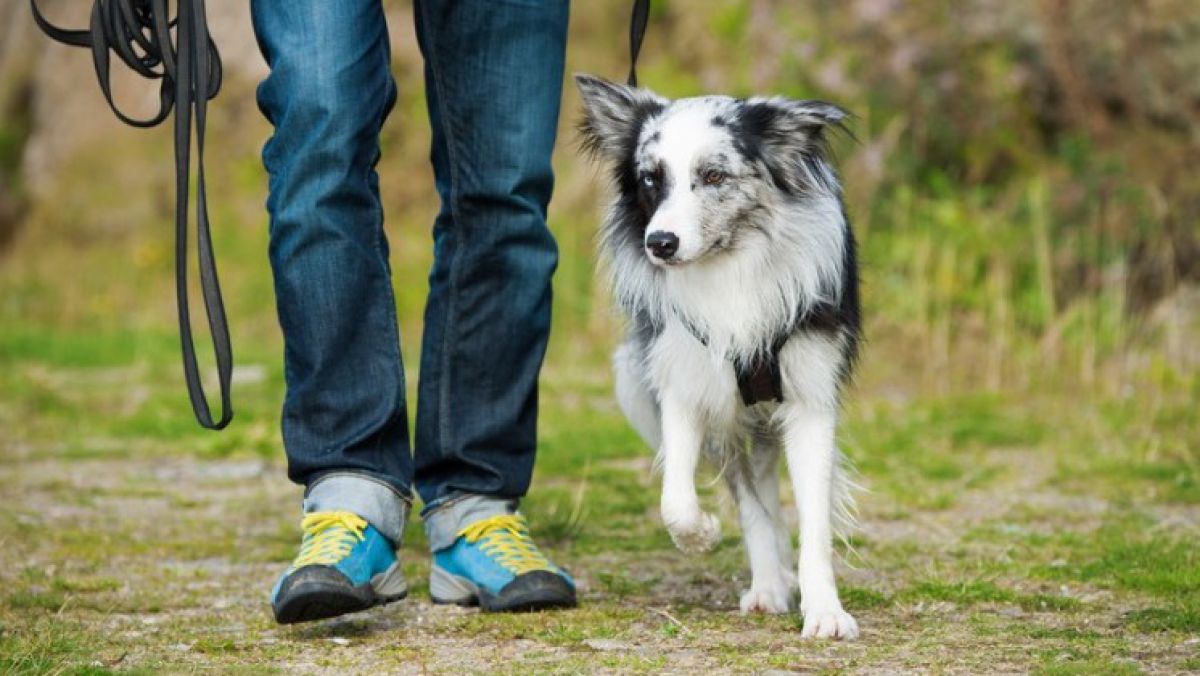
761 378
139 33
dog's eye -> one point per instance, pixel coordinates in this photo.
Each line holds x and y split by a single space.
649 180
714 177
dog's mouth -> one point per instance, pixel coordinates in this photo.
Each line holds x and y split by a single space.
664 262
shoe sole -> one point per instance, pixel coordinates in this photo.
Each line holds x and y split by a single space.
321 599
531 592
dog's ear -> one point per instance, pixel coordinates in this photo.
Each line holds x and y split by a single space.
790 138
613 115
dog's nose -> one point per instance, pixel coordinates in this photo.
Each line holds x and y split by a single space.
662 244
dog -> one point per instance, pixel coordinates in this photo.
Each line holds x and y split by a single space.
728 248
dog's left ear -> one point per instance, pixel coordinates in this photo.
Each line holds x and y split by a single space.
790 139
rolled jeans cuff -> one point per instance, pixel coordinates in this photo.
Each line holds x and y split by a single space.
373 500
444 522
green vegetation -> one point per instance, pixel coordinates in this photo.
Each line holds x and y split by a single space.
1024 420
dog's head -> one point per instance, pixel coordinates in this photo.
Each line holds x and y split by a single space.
697 175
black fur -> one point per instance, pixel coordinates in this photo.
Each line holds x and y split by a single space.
651 196
615 136
789 139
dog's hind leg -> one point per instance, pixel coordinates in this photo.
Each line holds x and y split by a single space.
634 397
754 481
766 478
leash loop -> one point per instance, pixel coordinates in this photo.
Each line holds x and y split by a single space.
139 32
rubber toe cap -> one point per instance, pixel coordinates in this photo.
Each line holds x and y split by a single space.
318 592
532 591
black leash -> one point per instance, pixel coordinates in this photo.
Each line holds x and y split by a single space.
139 33
637 33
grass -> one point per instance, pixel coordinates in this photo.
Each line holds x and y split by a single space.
136 542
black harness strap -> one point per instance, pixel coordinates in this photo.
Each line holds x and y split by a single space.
637 33
759 380
139 32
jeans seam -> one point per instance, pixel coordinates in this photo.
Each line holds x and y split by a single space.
438 506
455 211
390 312
393 320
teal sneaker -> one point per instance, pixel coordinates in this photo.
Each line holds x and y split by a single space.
495 564
344 566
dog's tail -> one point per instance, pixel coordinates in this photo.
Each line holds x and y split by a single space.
844 510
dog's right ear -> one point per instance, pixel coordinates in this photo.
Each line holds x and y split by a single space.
613 114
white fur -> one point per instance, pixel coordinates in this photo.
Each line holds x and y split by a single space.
688 136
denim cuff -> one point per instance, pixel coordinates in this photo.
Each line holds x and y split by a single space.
443 523
369 498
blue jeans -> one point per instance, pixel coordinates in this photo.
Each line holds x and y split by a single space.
493 79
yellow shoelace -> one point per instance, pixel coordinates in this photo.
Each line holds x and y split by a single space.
506 539
329 537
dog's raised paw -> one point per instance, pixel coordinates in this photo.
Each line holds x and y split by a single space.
696 536
765 600
834 624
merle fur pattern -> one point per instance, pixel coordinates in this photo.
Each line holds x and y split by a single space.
765 255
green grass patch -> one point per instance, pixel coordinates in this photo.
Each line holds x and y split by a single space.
1124 553
966 592
1182 617
862 598
1060 665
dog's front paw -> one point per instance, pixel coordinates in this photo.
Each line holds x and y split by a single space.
832 623
764 599
696 535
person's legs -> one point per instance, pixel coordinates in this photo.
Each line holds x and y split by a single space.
494 75
344 420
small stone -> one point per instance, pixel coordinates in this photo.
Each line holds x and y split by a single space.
338 640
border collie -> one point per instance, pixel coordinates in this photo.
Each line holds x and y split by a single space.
729 250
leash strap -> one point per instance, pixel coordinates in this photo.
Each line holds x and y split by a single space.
139 33
637 33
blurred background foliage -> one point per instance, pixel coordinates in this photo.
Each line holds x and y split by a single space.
1022 176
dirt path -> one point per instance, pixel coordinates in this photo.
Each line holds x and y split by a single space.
127 561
